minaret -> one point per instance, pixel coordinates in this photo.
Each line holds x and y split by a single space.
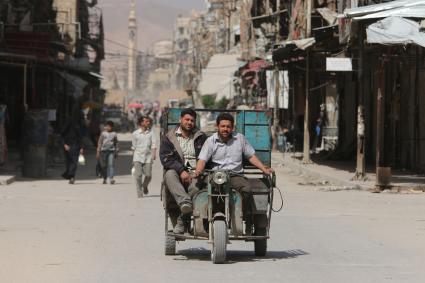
132 48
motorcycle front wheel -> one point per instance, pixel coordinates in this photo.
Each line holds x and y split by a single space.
218 253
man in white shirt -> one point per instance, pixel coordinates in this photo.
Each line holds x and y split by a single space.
144 148
226 150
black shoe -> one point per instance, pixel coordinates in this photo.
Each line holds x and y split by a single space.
112 181
71 181
179 228
145 191
186 208
104 181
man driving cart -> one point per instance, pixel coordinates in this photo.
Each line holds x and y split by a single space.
226 150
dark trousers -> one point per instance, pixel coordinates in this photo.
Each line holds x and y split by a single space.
71 161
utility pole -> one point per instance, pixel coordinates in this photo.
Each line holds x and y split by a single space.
306 149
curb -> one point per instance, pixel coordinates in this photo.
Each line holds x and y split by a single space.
305 170
7 180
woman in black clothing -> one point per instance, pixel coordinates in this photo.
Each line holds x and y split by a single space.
72 145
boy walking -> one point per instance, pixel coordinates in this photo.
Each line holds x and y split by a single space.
144 147
107 152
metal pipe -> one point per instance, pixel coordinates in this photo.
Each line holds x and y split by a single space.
269 15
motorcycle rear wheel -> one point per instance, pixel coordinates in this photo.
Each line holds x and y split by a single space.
170 245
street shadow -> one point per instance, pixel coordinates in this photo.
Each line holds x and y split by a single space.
123 165
232 256
398 177
151 196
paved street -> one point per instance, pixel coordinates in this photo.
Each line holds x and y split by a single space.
54 232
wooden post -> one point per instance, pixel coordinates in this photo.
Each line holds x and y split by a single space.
277 21
276 106
267 7
245 28
306 149
383 173
379 135
308 18
360 167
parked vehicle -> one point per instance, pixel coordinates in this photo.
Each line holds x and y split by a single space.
117 117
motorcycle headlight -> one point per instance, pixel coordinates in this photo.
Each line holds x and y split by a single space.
220 178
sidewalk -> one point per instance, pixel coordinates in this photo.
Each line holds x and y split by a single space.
340 173
11 169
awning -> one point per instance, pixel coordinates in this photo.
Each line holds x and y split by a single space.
329 15
78 83
254 66
292 49
302 44
96 75
395 30
217 78
409 8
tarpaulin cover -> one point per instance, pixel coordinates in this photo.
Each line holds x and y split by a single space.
218 76
395 30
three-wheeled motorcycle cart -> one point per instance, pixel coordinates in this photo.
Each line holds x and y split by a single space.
220 213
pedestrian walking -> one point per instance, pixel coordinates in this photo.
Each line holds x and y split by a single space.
107 152
317 134
72 145
144 148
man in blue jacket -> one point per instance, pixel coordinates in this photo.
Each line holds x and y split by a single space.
179 151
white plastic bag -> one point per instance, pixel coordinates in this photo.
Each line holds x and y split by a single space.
81 160
133 170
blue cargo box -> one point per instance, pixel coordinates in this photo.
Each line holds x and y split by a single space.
255 125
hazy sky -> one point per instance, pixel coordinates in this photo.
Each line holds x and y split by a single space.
155 19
